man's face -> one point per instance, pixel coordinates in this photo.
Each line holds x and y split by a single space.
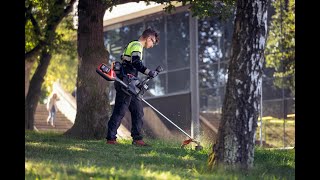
150 42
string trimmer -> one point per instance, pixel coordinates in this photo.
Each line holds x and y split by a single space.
138 87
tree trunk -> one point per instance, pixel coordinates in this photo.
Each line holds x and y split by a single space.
34 92
92 90
27 71
236 135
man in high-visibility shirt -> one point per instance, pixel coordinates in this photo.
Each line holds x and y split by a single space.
131 64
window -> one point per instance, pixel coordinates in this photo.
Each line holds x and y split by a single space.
178 42
156 56
214 52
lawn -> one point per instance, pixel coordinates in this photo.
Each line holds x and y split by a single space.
50 155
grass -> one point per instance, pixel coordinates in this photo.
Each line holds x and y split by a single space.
50 155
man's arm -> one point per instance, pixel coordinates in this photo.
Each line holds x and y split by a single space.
137 63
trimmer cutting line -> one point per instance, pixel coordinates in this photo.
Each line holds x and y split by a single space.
138 87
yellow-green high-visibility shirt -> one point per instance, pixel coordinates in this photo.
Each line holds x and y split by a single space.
134 48
132 58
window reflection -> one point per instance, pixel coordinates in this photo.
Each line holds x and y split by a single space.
223 74
116 40
211 99
178 42
179 81
213 40
208 76
157 86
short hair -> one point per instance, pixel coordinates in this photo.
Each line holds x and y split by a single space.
150 32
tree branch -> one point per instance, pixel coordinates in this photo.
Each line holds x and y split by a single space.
51 26
35 24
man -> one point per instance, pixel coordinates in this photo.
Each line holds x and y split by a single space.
131 64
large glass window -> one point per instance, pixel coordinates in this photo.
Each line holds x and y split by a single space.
214 39
214 52
210 99
178 41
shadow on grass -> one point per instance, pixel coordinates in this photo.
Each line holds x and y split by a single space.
56 149
70 157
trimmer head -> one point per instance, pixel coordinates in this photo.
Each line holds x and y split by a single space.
186 142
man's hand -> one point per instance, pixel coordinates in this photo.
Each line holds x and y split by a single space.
153 74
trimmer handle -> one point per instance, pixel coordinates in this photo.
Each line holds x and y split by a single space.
159 69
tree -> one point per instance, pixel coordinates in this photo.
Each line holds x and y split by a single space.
93 109
280 52
92 97
236 135
42 46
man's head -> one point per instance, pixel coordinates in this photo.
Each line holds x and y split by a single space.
149 38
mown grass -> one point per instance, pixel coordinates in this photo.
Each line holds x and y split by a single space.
52 156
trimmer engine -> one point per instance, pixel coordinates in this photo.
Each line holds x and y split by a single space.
135 85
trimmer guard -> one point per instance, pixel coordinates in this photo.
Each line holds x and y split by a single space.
188 141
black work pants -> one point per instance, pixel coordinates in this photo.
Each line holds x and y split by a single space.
123 102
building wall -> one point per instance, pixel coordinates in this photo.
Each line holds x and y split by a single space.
168 90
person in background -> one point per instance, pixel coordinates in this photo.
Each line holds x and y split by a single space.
52 109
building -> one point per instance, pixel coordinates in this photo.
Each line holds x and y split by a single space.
194 54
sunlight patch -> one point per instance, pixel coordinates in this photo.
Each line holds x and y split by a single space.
74 148
87 169
151 154
36 144
147 173
187 157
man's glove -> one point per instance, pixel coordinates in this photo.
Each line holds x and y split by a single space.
153 74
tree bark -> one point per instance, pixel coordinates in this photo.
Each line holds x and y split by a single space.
27 70
34 92
236 135
92 90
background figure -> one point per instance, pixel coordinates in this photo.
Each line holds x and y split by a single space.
52 108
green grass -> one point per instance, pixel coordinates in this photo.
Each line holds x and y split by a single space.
52 156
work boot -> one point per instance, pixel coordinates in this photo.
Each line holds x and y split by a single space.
111 142
139 143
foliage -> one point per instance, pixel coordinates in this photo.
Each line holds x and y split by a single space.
53 156
280 52
222 9
36 11
203 8
63 65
